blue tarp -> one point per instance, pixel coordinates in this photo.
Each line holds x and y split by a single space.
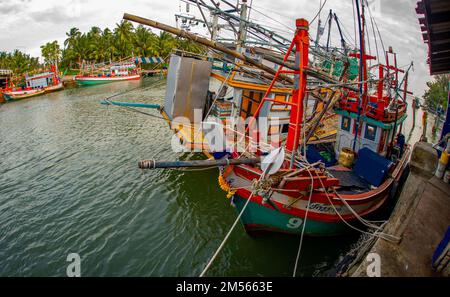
371 166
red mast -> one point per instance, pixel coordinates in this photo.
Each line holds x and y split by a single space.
301 43
301 40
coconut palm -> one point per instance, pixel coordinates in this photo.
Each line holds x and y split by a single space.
124 37
144 42
51 53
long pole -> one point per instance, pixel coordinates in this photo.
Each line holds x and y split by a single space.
298 94
222 48
242 26
152 164
203 41
361 75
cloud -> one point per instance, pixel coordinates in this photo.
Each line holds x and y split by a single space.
12 6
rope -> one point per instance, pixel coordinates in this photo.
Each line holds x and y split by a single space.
304 227
213 258
226 237
376 233
318 13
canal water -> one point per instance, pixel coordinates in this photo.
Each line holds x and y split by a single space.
69 183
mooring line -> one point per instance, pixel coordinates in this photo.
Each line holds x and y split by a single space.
213 258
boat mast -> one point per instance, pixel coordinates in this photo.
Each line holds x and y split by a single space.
301 40
362 70
242 26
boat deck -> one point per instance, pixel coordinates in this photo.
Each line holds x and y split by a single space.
350 182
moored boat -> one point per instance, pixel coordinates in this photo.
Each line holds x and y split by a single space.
97 80
48 81
11 95
115 73
308 191
54 88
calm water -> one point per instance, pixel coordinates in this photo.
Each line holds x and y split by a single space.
69 183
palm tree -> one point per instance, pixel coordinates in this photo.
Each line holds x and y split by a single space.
124 38
51 52
73 35
165 43
144 42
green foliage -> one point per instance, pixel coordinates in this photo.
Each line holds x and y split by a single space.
123 42
98 46
51 52
18 62
438 92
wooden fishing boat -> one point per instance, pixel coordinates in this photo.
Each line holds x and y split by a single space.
54 88
314 188
115 73
97 80
5 76
22 94
49 81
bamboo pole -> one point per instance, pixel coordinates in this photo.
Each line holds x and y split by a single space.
205 42
209 43
152 164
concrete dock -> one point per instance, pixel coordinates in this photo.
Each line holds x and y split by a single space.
420 220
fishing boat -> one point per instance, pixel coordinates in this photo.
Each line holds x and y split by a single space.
115 73
280 179
48 81
19 94
5 75
35 85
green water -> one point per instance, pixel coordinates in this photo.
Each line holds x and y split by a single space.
69 183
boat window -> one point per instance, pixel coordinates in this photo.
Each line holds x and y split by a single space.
346 123
371 132
285 128
250 103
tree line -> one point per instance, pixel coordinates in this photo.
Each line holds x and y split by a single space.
97 46
436 95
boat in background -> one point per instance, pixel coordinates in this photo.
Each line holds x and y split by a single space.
20 94
49 81
115 73
5 76
35 85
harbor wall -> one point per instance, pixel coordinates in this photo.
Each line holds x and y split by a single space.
419 220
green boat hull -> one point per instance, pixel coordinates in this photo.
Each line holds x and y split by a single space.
257 218
99 81
94 82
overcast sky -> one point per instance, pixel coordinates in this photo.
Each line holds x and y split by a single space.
27 24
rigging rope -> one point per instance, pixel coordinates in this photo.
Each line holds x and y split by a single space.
318 13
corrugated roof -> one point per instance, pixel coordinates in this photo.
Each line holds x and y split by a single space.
434 18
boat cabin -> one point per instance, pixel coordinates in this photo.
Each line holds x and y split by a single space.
372 134
40 81
122 70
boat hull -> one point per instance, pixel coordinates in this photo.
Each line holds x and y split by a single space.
15 96
90 81
55 88
261 219
326 214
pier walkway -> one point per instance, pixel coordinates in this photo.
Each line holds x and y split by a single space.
420 219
